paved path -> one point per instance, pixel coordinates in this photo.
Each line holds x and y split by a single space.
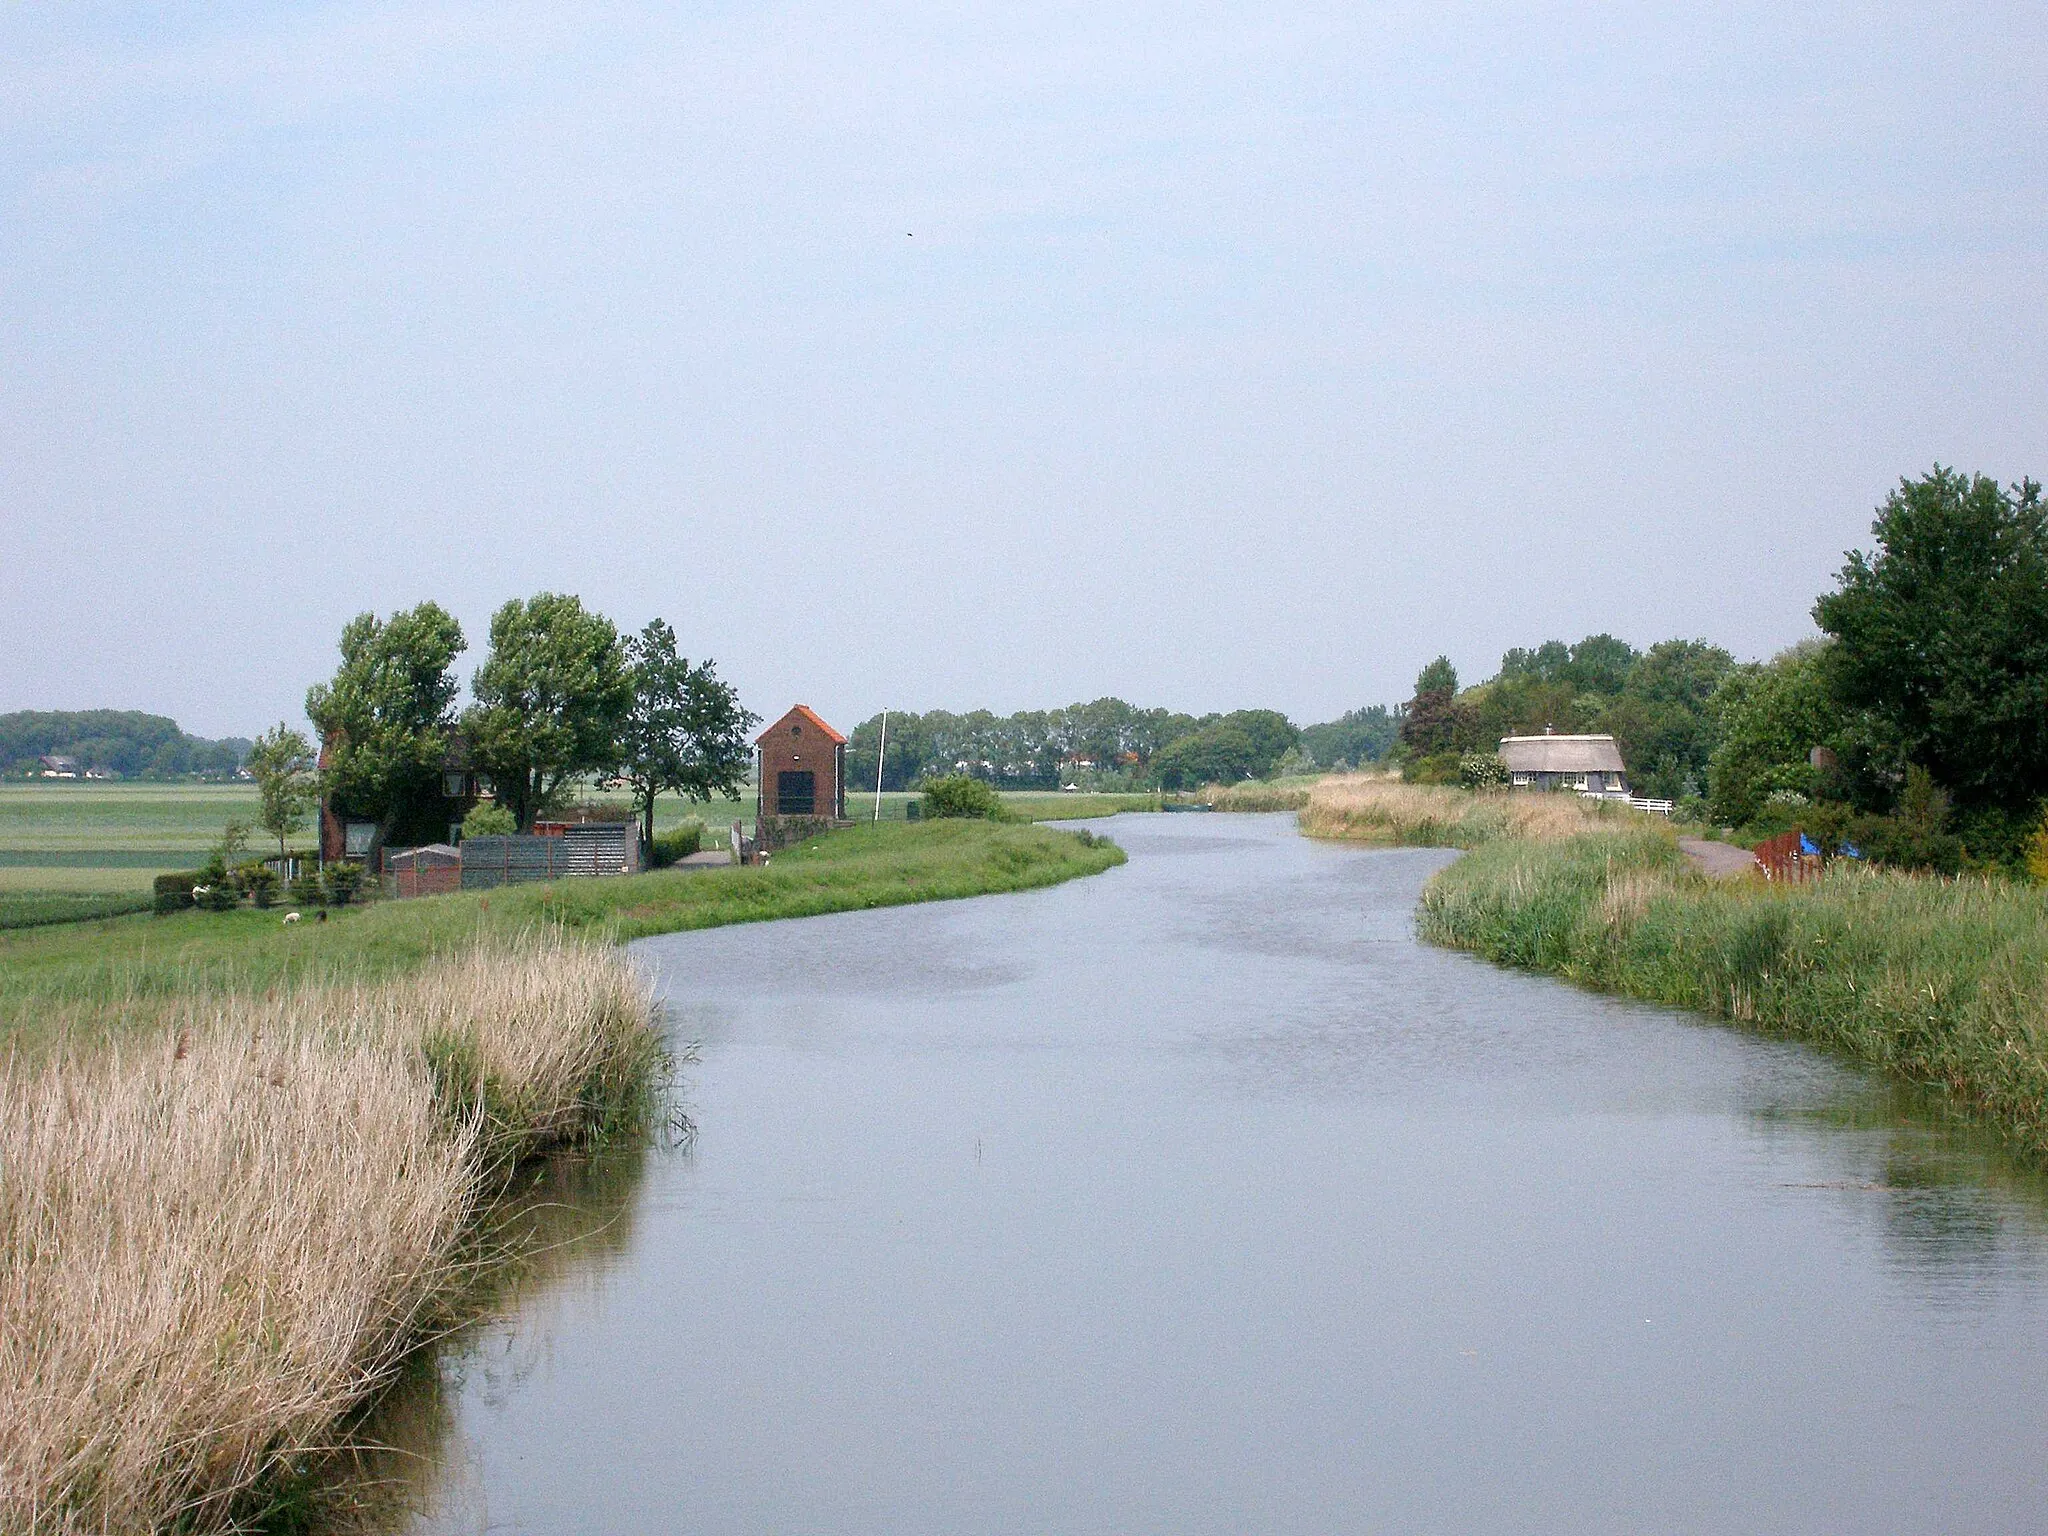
1720 861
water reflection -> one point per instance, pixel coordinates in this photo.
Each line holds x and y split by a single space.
407 1460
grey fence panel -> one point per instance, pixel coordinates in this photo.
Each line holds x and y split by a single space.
488 862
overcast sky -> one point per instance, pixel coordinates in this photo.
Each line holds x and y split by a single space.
956 356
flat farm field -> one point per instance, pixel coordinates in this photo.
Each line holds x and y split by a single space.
113 837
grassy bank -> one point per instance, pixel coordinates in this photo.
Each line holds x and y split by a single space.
218 1240
1939 982
1372 808
108 977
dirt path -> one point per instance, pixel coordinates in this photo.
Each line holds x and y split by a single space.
1719 861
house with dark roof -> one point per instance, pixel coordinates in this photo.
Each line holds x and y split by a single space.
1589 764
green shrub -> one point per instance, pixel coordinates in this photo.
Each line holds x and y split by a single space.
961 794
489 821
677 843
262 884
305 889
219 896
1482 770
173 893
1438 768
344 882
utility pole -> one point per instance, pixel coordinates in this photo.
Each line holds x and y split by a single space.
881 753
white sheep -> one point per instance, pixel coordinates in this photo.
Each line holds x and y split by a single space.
291 917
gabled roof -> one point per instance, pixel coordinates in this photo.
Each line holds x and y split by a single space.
1561 754
808 716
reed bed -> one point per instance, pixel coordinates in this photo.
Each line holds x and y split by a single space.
1290 794
220 1239
1940 982
1375 808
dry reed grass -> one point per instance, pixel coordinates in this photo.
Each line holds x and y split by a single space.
1289 794
1374 808
218 1242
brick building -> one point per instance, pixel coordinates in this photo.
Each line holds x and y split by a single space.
802 777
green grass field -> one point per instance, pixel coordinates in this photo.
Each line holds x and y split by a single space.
74 840
96 978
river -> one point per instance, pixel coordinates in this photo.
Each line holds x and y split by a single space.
1200 1197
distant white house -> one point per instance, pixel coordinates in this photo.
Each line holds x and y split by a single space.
1591 764
59 767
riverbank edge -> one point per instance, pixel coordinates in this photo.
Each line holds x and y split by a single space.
83 982
223 1243
1935 982
484 1095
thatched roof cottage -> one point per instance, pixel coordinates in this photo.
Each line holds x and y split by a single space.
1589 763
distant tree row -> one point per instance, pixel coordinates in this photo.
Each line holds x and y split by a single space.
1108 744
1915 728
122 743
562 694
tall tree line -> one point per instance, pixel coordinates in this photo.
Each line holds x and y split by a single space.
561 694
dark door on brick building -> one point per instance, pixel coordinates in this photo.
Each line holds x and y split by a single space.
796 794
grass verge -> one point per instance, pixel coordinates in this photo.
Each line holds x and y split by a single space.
41 909
90 979
1938 982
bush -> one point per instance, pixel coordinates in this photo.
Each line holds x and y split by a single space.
262 884
1438 768
305 890
220 896
1482 770
344 882
173 893
961 795
677 843
489 821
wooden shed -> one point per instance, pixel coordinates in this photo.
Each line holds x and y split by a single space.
802 774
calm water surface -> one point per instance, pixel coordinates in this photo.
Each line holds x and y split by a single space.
1199 1197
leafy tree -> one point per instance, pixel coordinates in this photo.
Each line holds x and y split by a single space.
1215 754
1942 637
1438 677
281 763
489 820
551 700
1664 721
1772 717
1270 733
385 715
1600 664
1432 722
1362 736
1244 744
685 730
